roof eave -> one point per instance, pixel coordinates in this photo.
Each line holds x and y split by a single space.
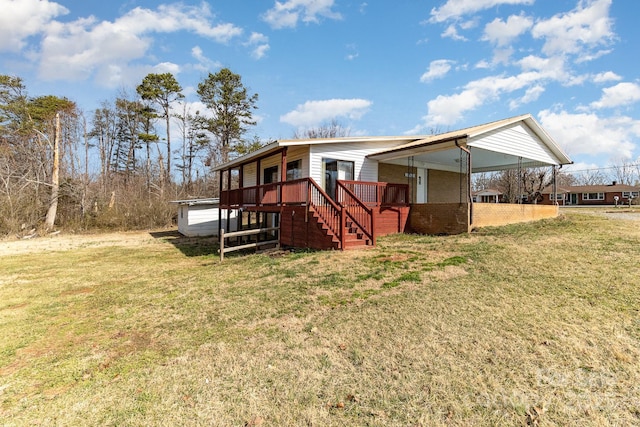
274 146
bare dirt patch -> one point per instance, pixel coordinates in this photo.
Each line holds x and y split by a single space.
65 242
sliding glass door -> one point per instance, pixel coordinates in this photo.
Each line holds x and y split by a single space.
334 170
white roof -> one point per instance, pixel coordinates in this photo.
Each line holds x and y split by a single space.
496 145
194 202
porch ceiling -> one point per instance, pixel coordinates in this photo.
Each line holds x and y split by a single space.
449 160
500 145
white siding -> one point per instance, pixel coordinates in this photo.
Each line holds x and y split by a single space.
518 140
271 161
364 169
201 220
293 153
249 175
311 155
183 219
299 153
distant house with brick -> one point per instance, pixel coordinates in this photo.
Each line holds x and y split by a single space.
341 193
591 194
488 195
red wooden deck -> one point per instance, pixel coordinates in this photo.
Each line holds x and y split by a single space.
309 218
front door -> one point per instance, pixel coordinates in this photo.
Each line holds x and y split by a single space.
573 200
421 186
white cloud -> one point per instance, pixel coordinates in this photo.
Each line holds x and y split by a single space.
454 9
452 32
501 33
553 68
288 13
259 43
258 38
590 134
587 26
196 52
314 113
446 110
437 69
621 94
352 52
86 47
24 18
114 75
260 51
532 94
502 56
607 76
204 64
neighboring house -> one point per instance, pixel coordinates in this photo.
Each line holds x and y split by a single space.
345 192
200 217
591 194
488 195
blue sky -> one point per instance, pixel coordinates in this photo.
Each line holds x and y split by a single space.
377 67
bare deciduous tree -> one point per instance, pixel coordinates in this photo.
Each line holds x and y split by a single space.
330 130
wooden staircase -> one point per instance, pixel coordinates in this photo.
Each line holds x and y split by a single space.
354 237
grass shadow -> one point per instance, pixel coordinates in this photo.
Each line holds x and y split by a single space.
189 246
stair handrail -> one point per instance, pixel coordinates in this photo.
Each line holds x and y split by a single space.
367 229
334 216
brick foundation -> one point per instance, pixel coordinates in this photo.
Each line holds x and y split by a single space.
439 218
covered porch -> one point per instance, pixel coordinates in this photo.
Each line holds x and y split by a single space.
445 203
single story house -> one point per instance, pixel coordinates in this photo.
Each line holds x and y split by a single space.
339 193
488 195
608 194
200 217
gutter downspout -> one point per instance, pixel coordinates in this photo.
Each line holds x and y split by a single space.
469 198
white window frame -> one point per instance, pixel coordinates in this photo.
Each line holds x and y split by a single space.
294 169
559 196
587 196
626 194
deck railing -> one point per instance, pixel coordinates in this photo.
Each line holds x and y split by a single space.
275 194
305 192
330 212
354 200
376 194
361 215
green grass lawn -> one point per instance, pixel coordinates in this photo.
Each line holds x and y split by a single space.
533 324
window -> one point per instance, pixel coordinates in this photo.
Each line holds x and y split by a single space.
294 170
629 194
270 175
558 197
592 196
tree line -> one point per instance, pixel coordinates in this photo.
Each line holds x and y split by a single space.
529 183
116 166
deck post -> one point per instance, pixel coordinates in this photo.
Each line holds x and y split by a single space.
283 173
228 189
373 226
308 202
222 244
343 223
220 201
